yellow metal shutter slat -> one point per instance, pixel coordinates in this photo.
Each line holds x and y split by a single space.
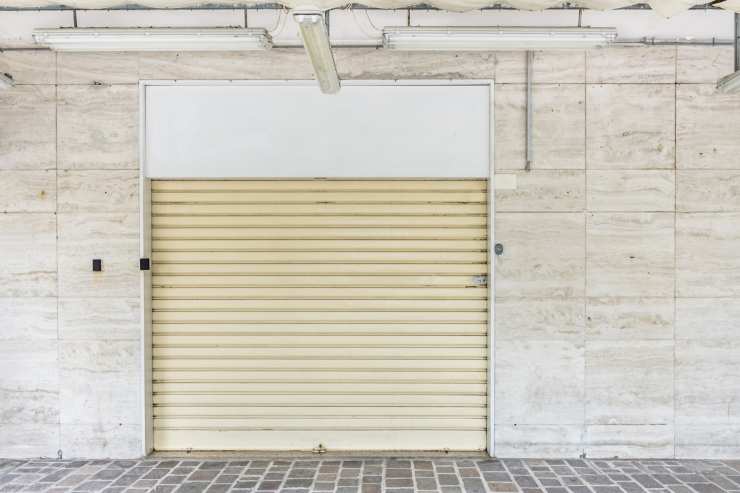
290 313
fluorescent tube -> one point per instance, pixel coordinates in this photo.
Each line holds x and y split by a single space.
495 38
729 83
6 81
316 41
154 39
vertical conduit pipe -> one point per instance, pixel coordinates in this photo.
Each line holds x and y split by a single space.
528 144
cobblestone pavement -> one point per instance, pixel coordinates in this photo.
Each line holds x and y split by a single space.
448 475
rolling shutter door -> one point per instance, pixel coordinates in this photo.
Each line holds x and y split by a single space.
288 314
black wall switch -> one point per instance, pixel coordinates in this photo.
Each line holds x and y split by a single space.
97 265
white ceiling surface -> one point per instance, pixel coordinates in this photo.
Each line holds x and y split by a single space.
665 8
360 26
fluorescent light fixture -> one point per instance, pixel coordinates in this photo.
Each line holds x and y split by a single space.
729 83
6 81
318 47
496 38
154 39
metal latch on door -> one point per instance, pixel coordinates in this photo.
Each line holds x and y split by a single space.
480 280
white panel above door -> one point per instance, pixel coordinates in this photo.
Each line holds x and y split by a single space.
238 130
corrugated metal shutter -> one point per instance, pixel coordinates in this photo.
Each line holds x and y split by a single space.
292 313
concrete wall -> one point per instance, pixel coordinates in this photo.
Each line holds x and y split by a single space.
617 298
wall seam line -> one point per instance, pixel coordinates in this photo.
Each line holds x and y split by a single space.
56 244
675 243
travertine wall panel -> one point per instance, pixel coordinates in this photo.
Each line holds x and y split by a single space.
631 65
543 257
619 136
708 191
543 191
630 254
707 260
278 64
702 64
98 68
704 139
545 389
92 377
543 319
114 238
29 66
98 127
629 382
28 128
30 382
707 373
639 441
28 243
28 191
98 191
100 319
625 319
708 318
549 67
25 319
366 64
620 275
631 190
558 128
546 440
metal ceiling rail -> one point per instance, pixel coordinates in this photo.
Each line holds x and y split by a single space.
357 6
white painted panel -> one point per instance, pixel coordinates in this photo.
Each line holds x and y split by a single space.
362 26
16 28
638 24
547 18
160 18
293 130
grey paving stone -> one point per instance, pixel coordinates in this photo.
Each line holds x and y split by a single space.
93 486
52 477
397 473
426 484
525 481
631 487
473 485
706 488
448 480
201 475
504 487
296 483
646 481
579 489
606 489
399 483
192 487
550 482
145 483
218 488
347 489
164 488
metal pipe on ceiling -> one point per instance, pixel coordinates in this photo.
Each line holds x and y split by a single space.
359 6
